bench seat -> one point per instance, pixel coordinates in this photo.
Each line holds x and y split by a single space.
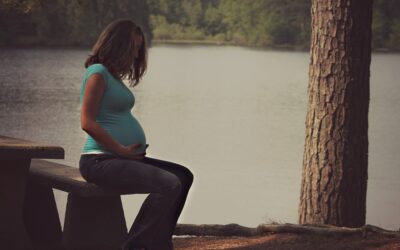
94 216
65 178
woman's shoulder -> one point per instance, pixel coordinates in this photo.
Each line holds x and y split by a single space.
97 67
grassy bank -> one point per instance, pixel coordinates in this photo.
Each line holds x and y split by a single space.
224 43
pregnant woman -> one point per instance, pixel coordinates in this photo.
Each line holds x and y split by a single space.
114 154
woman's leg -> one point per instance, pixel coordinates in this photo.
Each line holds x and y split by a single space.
133 176
168 223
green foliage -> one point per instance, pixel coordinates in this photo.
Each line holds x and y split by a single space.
212 22
162 29
385 24
394 37
64 22
242 22
260 22
255 22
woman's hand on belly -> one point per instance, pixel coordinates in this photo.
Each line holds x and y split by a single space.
130 151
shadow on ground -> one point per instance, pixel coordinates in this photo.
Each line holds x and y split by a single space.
288 241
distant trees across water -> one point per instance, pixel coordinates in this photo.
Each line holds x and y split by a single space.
276 23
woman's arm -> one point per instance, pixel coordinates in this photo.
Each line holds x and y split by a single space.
93 94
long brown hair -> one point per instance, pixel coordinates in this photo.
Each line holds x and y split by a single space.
115 50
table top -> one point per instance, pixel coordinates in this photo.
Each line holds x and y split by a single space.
15 147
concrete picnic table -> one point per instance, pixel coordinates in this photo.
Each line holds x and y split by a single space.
15 160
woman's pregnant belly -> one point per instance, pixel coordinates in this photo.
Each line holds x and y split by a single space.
127 130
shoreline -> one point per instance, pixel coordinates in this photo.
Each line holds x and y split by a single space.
186 42
286 47
225 43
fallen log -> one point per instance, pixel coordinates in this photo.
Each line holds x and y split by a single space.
238 230
214 230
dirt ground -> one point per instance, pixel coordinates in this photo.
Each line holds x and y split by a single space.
287 241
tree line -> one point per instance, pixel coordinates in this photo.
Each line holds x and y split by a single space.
64 22
277 23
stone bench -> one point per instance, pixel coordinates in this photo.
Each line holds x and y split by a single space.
94 217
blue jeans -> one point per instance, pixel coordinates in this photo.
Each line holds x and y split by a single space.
168 184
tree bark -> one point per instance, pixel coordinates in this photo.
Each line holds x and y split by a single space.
335 161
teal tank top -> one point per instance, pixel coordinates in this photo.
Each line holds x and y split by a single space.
115 113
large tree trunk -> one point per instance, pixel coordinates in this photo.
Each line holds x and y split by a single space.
335 163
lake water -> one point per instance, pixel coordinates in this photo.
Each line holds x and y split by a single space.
235 116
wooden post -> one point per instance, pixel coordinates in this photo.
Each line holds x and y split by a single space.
41 217
13 235
94 223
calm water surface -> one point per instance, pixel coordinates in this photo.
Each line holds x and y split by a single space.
234 116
